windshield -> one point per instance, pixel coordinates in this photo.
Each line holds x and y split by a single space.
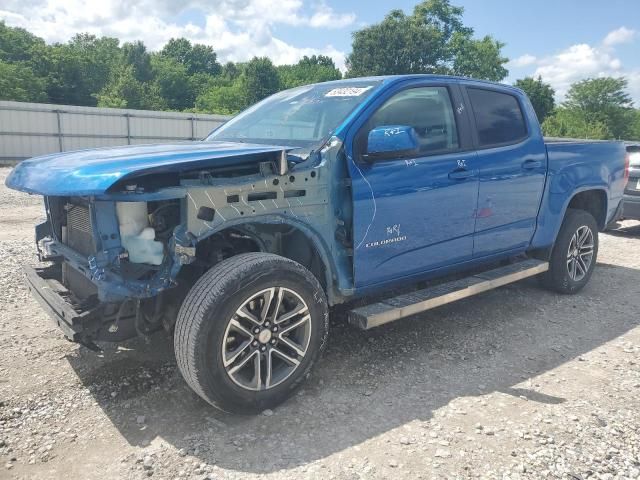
301 117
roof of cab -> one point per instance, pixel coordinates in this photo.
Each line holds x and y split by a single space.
389 79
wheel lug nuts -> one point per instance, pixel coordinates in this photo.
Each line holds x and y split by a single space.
274 329
273 341
255 343
256 330
263 348
266 324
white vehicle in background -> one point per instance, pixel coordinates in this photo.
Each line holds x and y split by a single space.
631 208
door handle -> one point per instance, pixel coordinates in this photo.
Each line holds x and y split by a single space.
531 164
461 174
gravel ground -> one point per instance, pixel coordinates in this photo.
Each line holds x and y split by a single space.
515 383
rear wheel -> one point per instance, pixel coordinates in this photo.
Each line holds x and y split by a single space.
574 254
250 330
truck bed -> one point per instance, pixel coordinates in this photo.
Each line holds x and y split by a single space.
575 166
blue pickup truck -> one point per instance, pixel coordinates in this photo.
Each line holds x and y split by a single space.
404 192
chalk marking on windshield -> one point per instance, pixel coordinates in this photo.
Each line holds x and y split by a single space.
373 197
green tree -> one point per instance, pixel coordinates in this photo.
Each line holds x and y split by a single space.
317 61
540 94
223 99
19 83
125 91
308 70
431 40
635 133
231 71
202 82
203 60
172 81
603 100
17 44
478 58
136 55
196 58
259 80
569 123
76 71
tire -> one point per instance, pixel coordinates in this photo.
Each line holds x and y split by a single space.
566 274
251 372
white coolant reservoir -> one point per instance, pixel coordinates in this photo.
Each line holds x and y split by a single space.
137 237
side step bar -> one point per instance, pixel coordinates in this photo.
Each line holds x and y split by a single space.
391 309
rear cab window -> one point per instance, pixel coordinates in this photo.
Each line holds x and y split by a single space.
498 116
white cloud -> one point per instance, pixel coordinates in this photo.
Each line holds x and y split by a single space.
523 61
236 29
576 63
621 35
581 61
325 17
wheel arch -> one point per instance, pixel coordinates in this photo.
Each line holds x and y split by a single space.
593 201
287 237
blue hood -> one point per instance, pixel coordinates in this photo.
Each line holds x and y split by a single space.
93 172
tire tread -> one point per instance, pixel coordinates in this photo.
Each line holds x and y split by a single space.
208 290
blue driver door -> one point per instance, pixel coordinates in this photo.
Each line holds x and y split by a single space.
414 187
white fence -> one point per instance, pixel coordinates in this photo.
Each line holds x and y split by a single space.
30 129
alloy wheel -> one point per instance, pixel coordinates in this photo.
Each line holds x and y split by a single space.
266 339
580 253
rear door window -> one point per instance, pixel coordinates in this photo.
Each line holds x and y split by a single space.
498 116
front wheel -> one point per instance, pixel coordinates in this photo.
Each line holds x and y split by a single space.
574 254
250 330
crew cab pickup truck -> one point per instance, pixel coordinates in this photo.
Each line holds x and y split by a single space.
434 188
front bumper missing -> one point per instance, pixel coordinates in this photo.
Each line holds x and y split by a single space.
79 324
76 324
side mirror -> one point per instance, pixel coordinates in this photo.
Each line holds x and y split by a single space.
391 141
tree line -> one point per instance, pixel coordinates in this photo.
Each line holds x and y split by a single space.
100 71
594 108
93 71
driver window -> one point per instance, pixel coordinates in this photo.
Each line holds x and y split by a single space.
428 110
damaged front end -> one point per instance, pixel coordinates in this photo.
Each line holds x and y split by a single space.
115 239
130 230
109 262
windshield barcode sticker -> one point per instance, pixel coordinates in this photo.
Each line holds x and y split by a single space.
347 92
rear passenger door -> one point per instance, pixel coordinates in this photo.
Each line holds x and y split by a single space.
512 162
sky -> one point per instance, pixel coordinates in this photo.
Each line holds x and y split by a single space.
562 40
